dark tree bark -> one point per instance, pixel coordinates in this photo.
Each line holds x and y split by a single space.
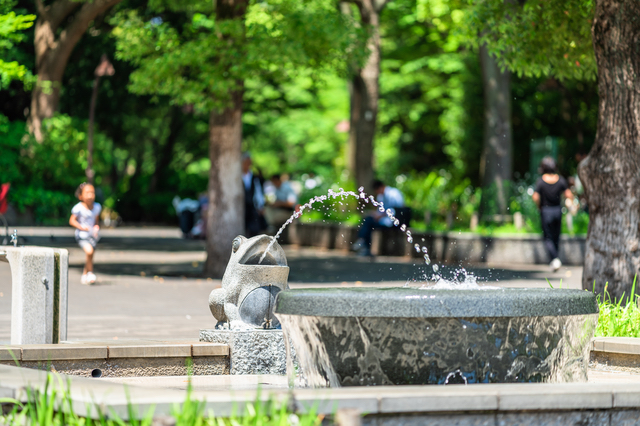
611 172
496 162
53 46
225 216
364 93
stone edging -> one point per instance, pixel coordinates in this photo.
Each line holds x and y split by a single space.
101 350
503 404
125 359
615 353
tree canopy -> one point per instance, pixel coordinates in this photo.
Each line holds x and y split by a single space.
536 37
12 26
197 60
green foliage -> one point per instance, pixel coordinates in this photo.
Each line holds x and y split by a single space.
290 128
430 88
12 26
536 37
53 406
438 193
44 176
619 318
201 60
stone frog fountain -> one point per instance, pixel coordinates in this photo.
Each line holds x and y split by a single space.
249 287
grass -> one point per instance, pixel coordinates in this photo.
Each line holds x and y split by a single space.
54 407
618 318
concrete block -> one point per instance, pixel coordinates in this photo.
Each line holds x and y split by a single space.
209 349
441 398
10 353
626 395
251 351
150 351
434 420
623 345
328 401
46 353
561 418
625 418
557 396
39 298
597 344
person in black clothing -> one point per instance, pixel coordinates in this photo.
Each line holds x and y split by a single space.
547 196
254 221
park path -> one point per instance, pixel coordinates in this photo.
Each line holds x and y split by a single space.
149 283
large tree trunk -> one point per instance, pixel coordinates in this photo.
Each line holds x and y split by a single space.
611 172
53 46
496 162
364 93
225 216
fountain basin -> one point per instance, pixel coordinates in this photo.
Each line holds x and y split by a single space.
374 336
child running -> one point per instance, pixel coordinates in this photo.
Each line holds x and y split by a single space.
84 217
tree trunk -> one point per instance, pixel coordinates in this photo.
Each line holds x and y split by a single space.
496 162
225 216
611 172
53 46
364 93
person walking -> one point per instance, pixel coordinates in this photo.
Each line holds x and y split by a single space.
84 217
547 196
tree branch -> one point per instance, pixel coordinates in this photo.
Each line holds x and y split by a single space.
70 36
59 11
42 10
378 5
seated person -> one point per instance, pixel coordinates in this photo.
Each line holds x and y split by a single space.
284 204
392 199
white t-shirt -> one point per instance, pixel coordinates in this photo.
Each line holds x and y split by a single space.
86 218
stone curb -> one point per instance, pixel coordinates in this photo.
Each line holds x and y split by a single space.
109 350
454 400
618 345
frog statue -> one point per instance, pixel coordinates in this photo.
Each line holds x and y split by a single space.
249 287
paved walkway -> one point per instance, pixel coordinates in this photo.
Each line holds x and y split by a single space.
149 283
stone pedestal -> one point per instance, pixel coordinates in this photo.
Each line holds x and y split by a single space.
251 351
39 278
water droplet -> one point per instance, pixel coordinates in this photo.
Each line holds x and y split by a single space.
426 259
361 189
403 227
389 212
396 222
381 209
417 247
435 268
424 249
410 239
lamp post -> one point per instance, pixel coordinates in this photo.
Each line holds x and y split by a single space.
105 68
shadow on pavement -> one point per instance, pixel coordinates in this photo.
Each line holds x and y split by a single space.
123 243
333 269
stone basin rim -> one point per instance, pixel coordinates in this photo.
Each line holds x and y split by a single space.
397 302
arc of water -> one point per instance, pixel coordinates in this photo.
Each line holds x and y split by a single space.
361 195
